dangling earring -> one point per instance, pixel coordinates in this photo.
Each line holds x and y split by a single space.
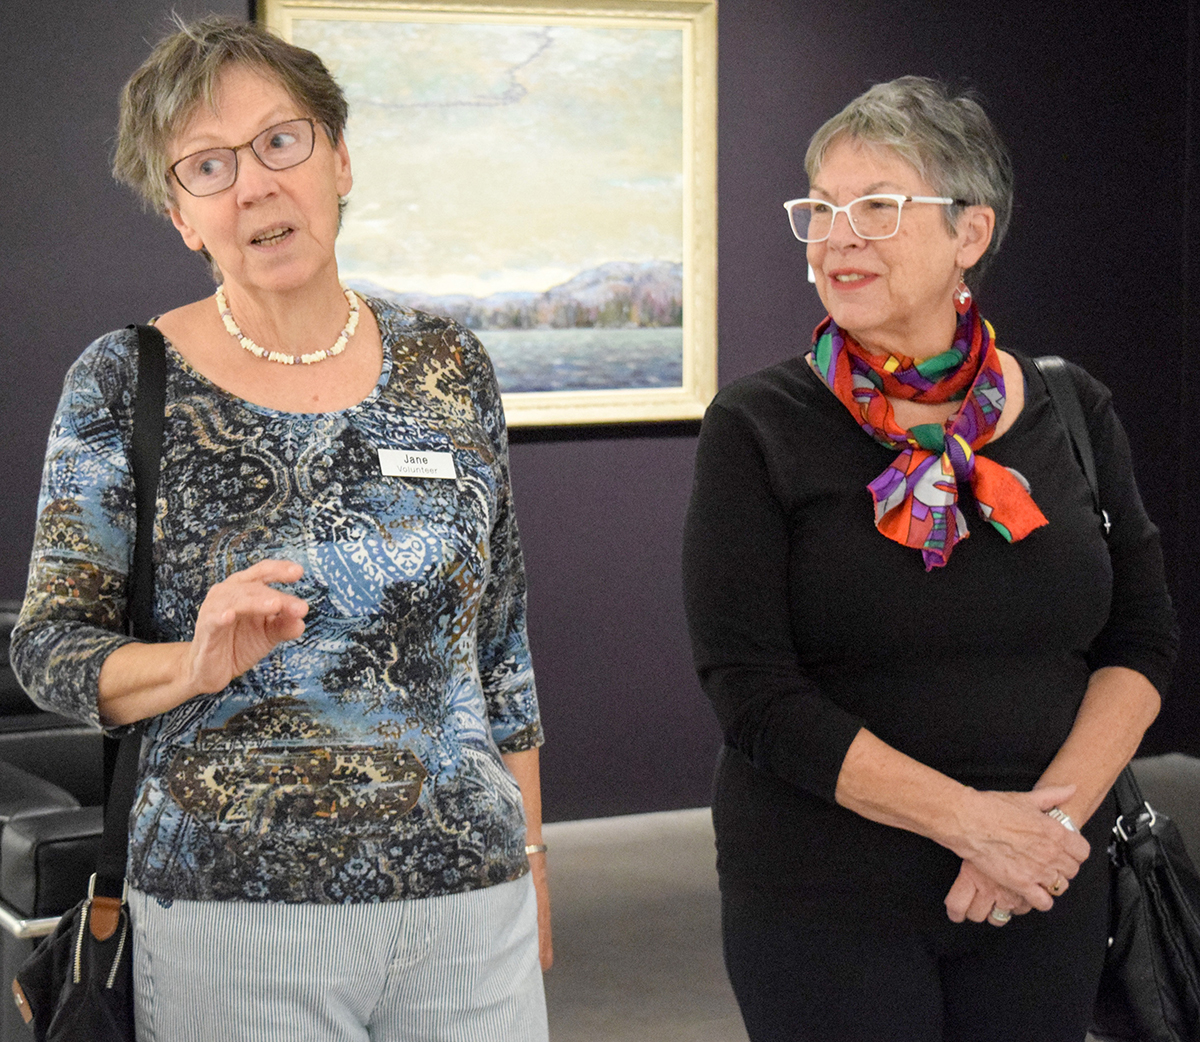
962 297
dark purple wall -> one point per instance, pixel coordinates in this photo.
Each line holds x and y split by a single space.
1098 111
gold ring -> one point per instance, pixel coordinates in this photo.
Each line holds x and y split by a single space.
1057 887
999 915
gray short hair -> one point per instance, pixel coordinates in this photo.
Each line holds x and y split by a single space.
181 73
949 140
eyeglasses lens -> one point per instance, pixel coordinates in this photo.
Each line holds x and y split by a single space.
875 216
208 172
277 148
284 145
810 220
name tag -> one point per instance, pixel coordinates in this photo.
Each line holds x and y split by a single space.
417 463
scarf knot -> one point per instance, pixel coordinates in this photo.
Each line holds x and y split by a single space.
916 497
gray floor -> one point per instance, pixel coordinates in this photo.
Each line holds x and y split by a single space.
637 934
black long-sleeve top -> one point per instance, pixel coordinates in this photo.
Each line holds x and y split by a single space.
808 624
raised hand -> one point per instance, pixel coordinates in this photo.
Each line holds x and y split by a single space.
241 621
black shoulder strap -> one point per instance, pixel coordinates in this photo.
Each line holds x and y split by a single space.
121 757
148 412
1064 397
1128 794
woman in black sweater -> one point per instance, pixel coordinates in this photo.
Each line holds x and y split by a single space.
921 729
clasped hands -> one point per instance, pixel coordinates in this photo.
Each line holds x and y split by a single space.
1015 856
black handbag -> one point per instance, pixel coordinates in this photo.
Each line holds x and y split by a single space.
1150 985
78 984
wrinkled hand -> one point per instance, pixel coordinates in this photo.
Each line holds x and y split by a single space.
974 895
1010 840
537 868
241 620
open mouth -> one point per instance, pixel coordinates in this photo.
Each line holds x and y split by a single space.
271 237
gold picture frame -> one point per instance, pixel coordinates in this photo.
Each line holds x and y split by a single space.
544 171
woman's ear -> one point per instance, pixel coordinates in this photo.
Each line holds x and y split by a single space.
342 176
190 236
975 229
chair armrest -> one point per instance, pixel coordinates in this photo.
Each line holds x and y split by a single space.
67 753
23 794
46 860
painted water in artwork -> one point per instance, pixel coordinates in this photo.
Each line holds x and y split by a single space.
524 179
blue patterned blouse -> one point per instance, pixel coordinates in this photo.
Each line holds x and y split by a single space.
362 761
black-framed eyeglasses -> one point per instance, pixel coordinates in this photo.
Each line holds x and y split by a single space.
212 170
870 216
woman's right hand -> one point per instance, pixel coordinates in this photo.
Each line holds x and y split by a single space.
240 621
974 896
1009 837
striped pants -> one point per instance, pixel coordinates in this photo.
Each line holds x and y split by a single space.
458 968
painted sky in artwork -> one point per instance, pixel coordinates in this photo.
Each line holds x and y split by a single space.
491 156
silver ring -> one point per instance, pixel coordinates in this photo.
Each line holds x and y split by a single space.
1063 818
999 915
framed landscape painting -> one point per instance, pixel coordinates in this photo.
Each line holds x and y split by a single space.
545 174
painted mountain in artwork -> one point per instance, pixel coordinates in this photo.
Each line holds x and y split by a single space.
617 295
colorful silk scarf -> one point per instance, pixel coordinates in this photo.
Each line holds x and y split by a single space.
916 498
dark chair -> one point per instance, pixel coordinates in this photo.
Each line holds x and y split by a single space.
51 791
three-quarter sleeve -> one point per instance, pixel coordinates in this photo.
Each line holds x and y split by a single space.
505 666
73 616
1141 632
736 592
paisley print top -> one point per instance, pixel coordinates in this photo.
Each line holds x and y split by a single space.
360 762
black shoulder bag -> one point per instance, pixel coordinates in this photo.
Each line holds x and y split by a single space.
1150 986
78 984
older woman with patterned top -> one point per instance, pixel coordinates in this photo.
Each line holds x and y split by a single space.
338 803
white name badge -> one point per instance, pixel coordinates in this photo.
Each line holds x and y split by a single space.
417 463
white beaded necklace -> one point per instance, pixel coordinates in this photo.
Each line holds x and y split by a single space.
339 345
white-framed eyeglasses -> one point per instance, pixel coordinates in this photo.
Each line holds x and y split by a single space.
870 216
